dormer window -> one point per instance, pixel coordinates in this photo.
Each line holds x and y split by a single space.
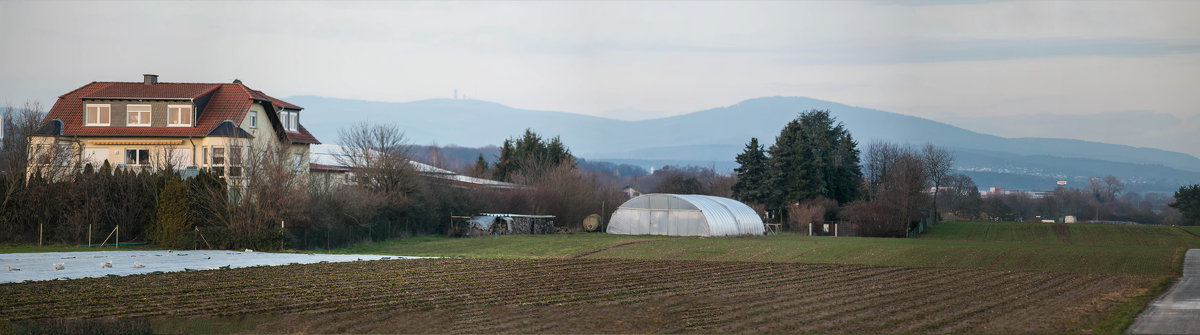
97 114
179 115
138 116
289 119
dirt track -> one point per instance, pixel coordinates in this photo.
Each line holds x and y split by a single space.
593 296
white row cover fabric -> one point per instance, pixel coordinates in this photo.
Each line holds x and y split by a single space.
42 266
684 215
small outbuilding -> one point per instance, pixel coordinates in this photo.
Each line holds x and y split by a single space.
506 224
684 215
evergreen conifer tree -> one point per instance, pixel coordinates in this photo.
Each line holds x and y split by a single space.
752 171
814 155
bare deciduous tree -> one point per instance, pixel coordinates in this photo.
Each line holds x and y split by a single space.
379 157
897 181
938 162
18 125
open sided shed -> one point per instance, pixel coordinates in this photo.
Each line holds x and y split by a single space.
684 215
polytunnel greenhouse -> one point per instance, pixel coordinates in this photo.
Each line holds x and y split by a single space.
684 215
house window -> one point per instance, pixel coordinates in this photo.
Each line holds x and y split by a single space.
44 154
97 115
235 161
179 116
218 161
290 120
138 116
56 154
137 157
297 162
253 120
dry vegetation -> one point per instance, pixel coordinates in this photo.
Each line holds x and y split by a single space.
592 296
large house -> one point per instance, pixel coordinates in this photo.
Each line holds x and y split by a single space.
152 124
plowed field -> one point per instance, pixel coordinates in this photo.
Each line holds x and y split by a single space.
574 296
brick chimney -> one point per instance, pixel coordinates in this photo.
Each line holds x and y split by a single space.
150 79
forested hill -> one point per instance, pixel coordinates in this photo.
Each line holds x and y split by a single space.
713 137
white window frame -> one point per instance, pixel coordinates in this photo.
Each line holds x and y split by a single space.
171 109
42 155
86 109
235 152
139 158
224 161
253 119
290 120
149 116
297 159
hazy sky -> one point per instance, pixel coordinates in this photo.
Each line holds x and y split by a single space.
996 67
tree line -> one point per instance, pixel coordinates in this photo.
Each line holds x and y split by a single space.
813 173
270 207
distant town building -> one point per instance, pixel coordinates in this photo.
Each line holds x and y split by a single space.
630 192
326 167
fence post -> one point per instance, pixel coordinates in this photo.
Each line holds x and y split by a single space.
40 234
89 235
117 242
810 229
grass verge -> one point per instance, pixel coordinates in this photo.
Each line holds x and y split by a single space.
28 248
1122 317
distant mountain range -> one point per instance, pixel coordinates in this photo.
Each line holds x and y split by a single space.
713 137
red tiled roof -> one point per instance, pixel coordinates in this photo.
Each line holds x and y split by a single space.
278 103
301 136
156 91
227 102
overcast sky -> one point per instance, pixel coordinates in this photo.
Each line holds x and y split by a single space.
1117 72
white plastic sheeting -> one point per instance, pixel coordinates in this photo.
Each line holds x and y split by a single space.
40 266
684 215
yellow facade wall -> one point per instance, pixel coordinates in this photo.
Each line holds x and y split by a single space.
180 152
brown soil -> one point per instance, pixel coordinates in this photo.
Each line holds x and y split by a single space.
591 296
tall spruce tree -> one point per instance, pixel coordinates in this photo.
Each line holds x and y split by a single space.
530 152
814 155
751 185
1187 201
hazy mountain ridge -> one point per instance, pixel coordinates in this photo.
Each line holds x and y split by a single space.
712 137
